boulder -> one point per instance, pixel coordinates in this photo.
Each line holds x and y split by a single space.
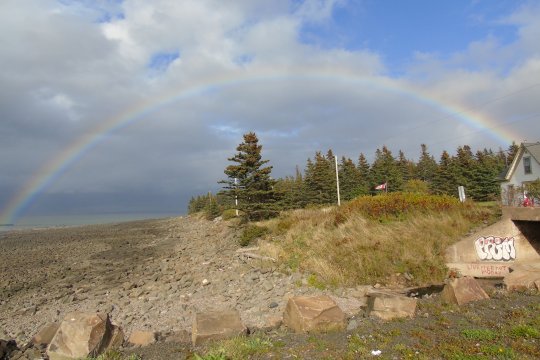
216 325
142 338
462 291
313 314
46 334
7 347
81 335
523 277
387 306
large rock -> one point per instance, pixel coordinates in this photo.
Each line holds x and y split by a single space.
216 325
313 314
81 335
7 347
523 277
142 338
46 334
462 291
387 306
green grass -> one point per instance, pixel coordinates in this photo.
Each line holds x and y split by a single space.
479 334
238 348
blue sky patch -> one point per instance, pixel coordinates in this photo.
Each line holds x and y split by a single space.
397 30
160 61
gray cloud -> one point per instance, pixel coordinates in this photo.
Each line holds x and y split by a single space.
68 68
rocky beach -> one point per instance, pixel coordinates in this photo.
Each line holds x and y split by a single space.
150 275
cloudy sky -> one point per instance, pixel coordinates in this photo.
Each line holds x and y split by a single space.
133 106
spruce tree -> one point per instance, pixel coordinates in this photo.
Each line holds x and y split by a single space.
427 166
253 185
349 179
385 170
320 180
364 175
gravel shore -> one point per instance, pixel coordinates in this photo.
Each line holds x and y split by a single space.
148 275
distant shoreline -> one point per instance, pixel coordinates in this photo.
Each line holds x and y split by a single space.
68 221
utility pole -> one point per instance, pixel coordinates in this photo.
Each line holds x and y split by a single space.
337 182
236 196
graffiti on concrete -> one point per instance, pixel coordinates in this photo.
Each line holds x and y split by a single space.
493 248
487 270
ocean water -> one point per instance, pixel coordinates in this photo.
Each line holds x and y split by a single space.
47 221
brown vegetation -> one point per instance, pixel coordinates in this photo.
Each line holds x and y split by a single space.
372 239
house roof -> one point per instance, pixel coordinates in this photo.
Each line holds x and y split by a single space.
532 148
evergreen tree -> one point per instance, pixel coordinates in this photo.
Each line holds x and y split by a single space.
364 175
385 170
253 186
349 179
512 151
485 185
406 167
320 180
444 181
427 166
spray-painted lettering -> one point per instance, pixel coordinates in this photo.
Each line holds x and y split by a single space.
493 248
488 269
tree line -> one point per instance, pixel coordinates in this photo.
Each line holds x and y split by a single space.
259 196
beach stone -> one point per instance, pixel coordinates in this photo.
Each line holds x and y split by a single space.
216 325
387 306
523 277
313 314
7 347
117 338
46 334
142 338
80 335
462 291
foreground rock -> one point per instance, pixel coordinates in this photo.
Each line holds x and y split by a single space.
523 277
216 325
315 313
462 291
6 348
81 335
142 338
387 306
46 334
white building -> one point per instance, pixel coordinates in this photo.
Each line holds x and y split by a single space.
524 168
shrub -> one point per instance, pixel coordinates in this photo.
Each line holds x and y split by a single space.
416 186
228 214
397 205
251 232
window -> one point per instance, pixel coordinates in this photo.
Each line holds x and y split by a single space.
527 165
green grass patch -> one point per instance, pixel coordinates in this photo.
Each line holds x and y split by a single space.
238 348
478 334
252 232
524 331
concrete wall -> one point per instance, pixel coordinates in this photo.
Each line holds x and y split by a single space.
491 251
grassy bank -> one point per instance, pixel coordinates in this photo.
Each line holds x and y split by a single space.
394 238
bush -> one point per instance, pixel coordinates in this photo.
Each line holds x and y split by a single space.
251 232
416 186
397 205
228 214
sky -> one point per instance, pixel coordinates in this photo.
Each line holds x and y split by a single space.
134 106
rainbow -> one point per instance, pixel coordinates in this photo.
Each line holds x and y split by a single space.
57 166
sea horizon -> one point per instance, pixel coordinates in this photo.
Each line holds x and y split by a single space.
52 221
